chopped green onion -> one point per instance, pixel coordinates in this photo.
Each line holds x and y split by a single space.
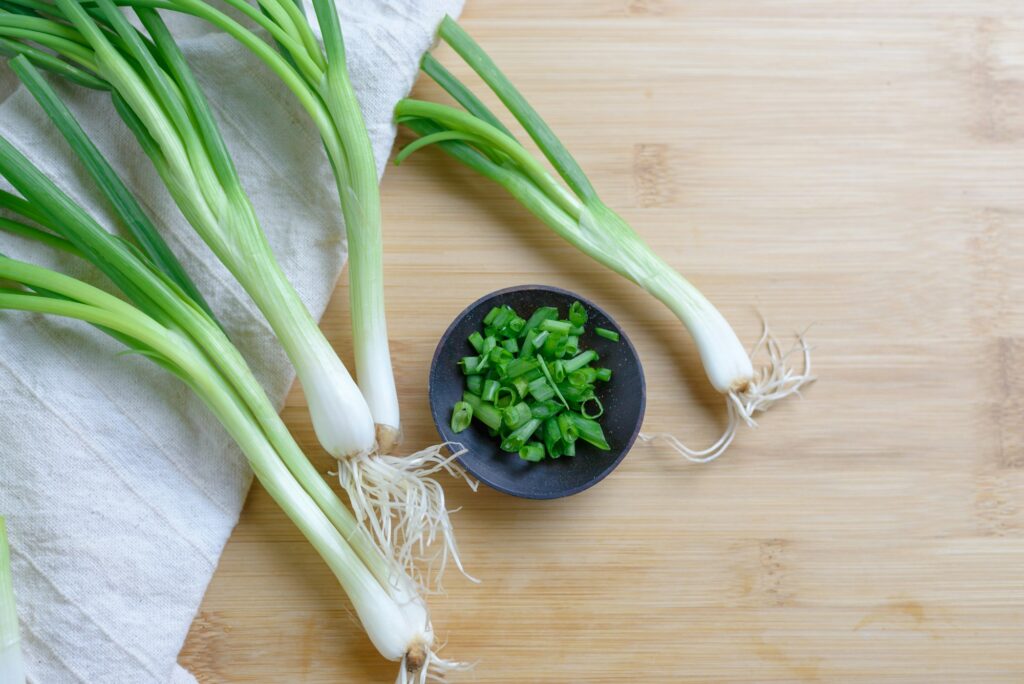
547 376
567 428
490 390
516 416
577 314
485 413
590 431
555 326
470 365
541 390
534 451
582 377
576 395
521 366
518 437
500 356
539 316
545 409
462 416
505 315
580 360
554 345
604 374
572 345
505 397
522 385
552 438
607 334
491 315
557 369
592 414
477 340
528 347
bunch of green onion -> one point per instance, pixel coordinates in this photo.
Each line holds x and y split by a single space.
474 136
160 321
12 670
157 96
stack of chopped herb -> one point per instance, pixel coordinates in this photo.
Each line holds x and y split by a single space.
532 385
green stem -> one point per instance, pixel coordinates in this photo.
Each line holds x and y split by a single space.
546 140
48 239
463 121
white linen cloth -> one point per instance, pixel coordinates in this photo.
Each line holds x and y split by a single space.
120 488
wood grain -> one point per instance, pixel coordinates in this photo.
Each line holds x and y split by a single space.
855 165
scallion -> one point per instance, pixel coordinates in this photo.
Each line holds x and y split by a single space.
158 98
11 666
576 213
160 322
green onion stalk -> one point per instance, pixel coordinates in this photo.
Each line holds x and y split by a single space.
160 321
157 96
12 670
474 136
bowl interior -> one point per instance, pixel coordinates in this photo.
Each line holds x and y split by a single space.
623 398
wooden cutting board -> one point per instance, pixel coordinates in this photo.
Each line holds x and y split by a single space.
857 165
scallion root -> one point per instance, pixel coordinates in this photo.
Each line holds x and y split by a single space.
775 381
403 506
422 664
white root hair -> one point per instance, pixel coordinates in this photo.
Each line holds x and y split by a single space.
775 381
403 507
435 669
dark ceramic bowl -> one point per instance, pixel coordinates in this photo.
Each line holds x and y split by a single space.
624 399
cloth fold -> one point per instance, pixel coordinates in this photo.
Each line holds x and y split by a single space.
119 487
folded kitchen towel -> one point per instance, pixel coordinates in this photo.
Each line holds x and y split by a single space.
119 487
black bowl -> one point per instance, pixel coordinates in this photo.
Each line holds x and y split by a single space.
624 399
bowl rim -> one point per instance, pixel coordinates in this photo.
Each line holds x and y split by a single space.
624 337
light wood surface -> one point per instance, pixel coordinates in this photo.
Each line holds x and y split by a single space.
857 165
